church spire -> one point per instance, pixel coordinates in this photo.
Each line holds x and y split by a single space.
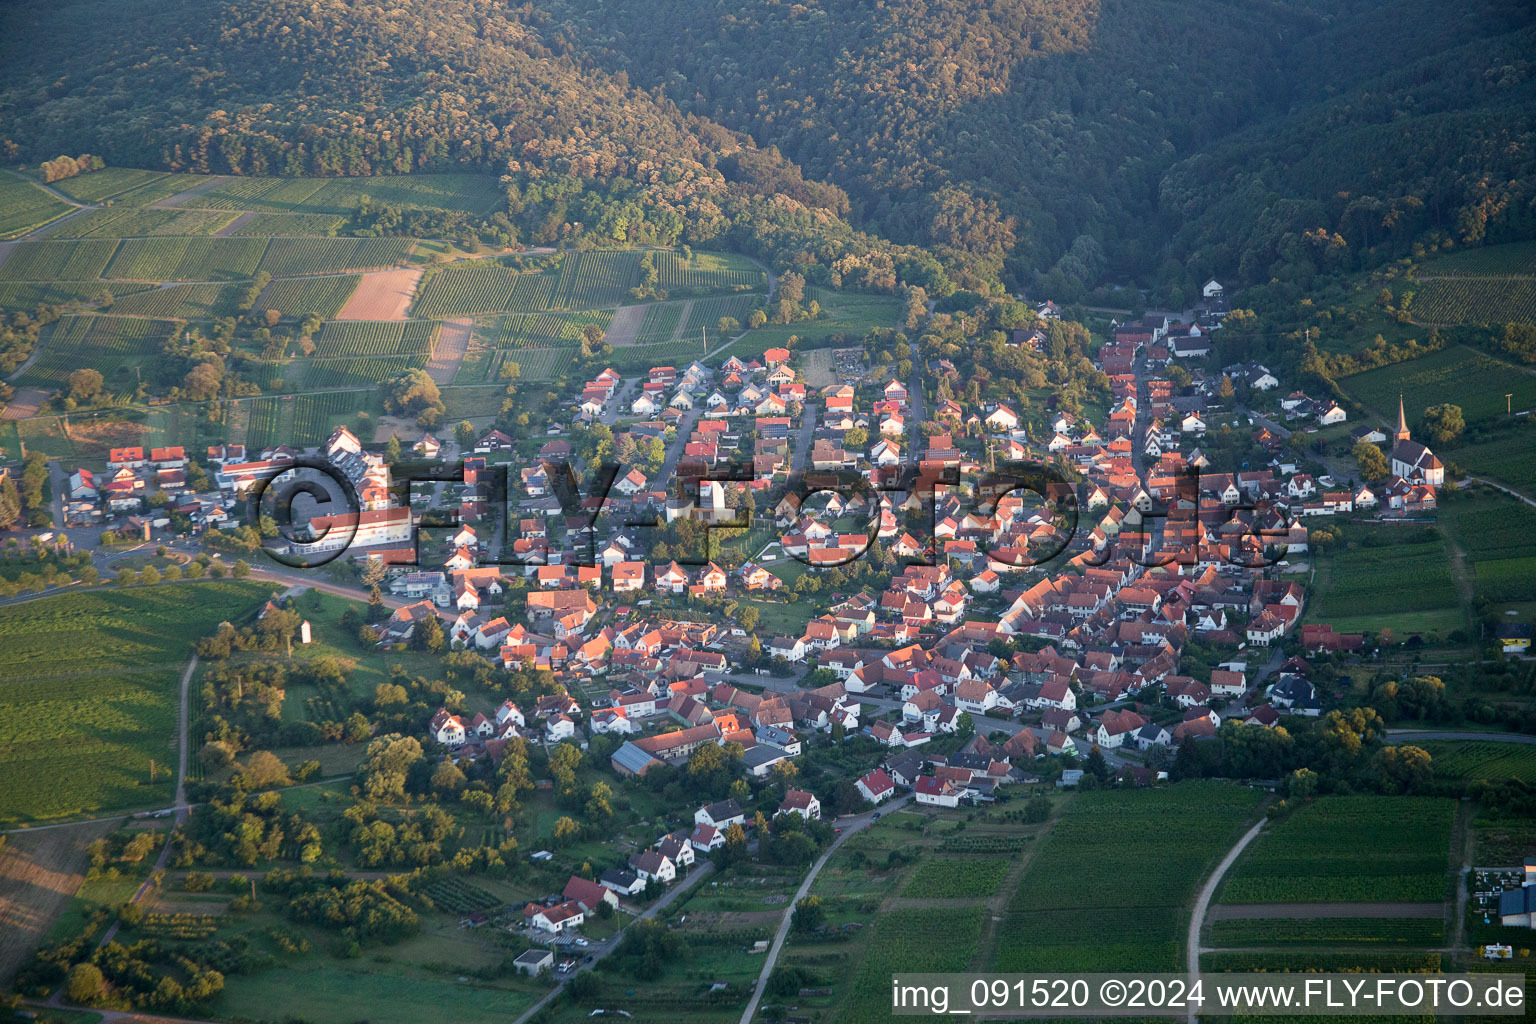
1402 421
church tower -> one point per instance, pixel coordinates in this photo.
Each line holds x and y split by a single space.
1402 421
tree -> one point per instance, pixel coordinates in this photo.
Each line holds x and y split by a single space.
448 778
1373 464
10 503
262 770
1444 422
748 617
392 450
1302 784
1225 389
241 569
735 843
373 571
566 830
85 384
85 983
809 915
465 435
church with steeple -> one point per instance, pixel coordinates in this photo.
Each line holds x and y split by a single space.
1412 461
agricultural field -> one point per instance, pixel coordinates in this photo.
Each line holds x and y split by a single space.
1403 584
636 358
297 297
1479 759
543 330
707 272
1498 535
1506 456
129 221
953 878
706 313
1350 849
660 323
375 338
1076 910
109 182
28 295
179 302
472 193
1347 961
187 259
1518 258
845 318
315 416
286 257
589 280
1326 931
264 421
24 206
482 288
102 668
276 225
1475 300
355 371
939 941
71 260
104 343
1457 374
533 363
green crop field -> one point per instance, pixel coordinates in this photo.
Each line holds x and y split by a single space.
956 878
355 371
1506 579
264 422
28 295
706 314
187 259
1077 910
543 330
289 256
297 297
592 279
939 941
1506 456
660 323
58 261
101 669
109 182
1349 849
130 221
24 206
533 363
315 416
1327 931
1517 258
636 358
1349 962
482 288
1483 759
1470 379
375 338
707 272
1475 300
180 301
276 225
472 193
104 343
1405 585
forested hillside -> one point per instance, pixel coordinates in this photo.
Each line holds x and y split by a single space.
1052 144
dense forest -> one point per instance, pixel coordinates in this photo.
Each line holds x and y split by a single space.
1046 144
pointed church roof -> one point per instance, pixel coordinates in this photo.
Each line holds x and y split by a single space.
1402 420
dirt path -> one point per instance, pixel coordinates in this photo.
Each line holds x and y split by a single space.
235 225
39 872
180 198
997 903
1203 905
682 320
625 326
1250 911
382 295
1461 864
448 353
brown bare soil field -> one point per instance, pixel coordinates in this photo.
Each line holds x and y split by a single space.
448 353
382 295
39 872
24 404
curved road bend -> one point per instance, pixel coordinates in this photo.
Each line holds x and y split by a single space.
1207 892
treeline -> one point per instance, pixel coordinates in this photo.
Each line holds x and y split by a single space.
63 167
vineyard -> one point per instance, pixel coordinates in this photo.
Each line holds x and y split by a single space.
707 272
660 323
276 225
298 297
1327 931
1505 530
1313 960
706 314
129 221
534 363
112 719
1475 300
187 259
997 842
58 261
910 941
1458 374
1387 580
375 338
263 422
113 181
471 193
356 371
457 896
545 330
180 302
314 416
178 927
286 257
1515 258
24 206
28 295
956 879
1055 924
1351 849
1484 760
1507 579
105 343
636 358
589 280
484 288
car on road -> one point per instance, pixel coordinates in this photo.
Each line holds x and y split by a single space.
587 959
838 831
876 817
580 941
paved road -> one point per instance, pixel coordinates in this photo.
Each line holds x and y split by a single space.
598 950
849 826
810 413
1197 918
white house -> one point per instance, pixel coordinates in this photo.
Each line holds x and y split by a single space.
876 786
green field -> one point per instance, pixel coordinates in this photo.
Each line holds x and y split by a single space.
275 225
1326 931
637 358
104 343
375 338
956 878
356 371
66 260
660 323
1404 585
707 272
938 940
533 363
129 221
1478 759
542 330
109 182
288 256
1475 300
1463 376
24 206
88 687
1083 904
472 193
187 259
589 280
1349 849
482 288
180 301
315 416
298 297
845 315
28 295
